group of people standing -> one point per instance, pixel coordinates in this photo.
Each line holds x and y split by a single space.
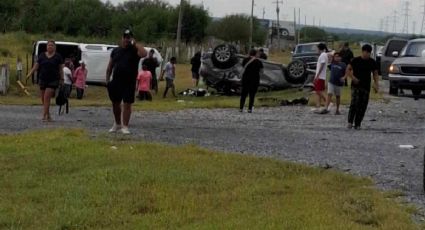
343 65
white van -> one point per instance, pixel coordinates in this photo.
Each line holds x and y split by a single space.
96 56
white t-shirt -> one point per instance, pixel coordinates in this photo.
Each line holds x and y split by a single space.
67 76
323 59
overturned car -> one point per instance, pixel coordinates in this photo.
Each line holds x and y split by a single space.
222 70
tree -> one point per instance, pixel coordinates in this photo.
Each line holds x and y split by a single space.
236 28
313 34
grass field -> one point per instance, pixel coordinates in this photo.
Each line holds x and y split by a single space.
64 180
20 44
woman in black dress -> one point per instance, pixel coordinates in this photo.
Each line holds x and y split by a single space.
50 71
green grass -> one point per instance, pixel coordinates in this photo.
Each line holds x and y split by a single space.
63 180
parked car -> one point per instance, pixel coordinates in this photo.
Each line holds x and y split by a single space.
408 69
222 70
387 58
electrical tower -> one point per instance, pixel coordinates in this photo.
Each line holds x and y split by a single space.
381 25
386 24
423 20
395 21
406 15
277 22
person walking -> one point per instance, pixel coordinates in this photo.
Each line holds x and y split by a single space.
50 71
68 79
80 76
196 66
346 55
336 82
320 78
250 79
123 64
360 71
170 75
152 63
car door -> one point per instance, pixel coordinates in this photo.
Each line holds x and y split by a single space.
387 57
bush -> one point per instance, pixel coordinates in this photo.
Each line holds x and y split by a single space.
5 52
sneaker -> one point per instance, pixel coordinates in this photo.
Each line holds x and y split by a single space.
115 128
358 128
325 111
241 110
125 131
330 106
349 126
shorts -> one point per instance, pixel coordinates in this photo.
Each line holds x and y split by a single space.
145 96
48 84
319 85
195 75
169 82
334 89
122 92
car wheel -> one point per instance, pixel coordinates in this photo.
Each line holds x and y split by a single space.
224 57
393 90
297 72
285 33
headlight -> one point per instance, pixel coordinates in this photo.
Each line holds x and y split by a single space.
394 69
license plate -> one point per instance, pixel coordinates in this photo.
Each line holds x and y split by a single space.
414 79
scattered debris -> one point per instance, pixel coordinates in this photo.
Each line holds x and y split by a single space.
407 147
196 92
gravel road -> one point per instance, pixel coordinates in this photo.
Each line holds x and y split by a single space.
288 133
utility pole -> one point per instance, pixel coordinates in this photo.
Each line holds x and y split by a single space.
414 27
305 20
314 21
295 26
299 25
264 12
381 25
386 24
179 25
406 15
251 25
277 22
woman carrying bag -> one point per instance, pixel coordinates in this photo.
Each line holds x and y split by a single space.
250 79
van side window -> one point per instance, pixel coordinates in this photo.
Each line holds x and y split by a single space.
395 45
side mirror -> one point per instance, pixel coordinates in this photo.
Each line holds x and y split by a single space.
395 54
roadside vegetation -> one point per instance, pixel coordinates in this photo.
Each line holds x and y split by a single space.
66 180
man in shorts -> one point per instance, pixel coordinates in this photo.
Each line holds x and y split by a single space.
170 75
123 64
320 78
336 82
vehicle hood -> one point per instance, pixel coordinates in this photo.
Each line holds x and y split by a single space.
410 61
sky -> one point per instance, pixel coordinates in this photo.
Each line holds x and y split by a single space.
359 14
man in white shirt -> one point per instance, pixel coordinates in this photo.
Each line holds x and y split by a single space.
67 80
320 78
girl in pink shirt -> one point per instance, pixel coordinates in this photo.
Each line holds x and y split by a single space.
144 80
80 75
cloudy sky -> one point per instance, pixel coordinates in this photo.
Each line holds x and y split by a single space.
363 14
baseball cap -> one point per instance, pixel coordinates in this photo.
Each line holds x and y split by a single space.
127 33
82 62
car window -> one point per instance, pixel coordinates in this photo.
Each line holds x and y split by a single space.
307 49
395 45
414 49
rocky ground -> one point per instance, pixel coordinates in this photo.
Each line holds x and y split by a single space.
287 133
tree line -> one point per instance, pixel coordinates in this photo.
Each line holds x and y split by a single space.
151 20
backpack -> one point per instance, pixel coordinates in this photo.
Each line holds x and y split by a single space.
61 100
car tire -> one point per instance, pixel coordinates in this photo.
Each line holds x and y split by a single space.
224 56
297 72
285 33
393 90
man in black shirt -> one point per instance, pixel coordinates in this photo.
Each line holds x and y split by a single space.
346 55
152 63
360 71
250 79
262 54
123 64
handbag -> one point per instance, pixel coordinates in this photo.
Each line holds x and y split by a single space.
61 100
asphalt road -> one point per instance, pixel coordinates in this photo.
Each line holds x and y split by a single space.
288 133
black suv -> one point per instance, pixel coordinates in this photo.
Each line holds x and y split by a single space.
307 53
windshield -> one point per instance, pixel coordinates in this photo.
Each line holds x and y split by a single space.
312 48
414 49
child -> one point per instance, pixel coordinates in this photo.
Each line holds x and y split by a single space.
336 82
170 75
144 83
